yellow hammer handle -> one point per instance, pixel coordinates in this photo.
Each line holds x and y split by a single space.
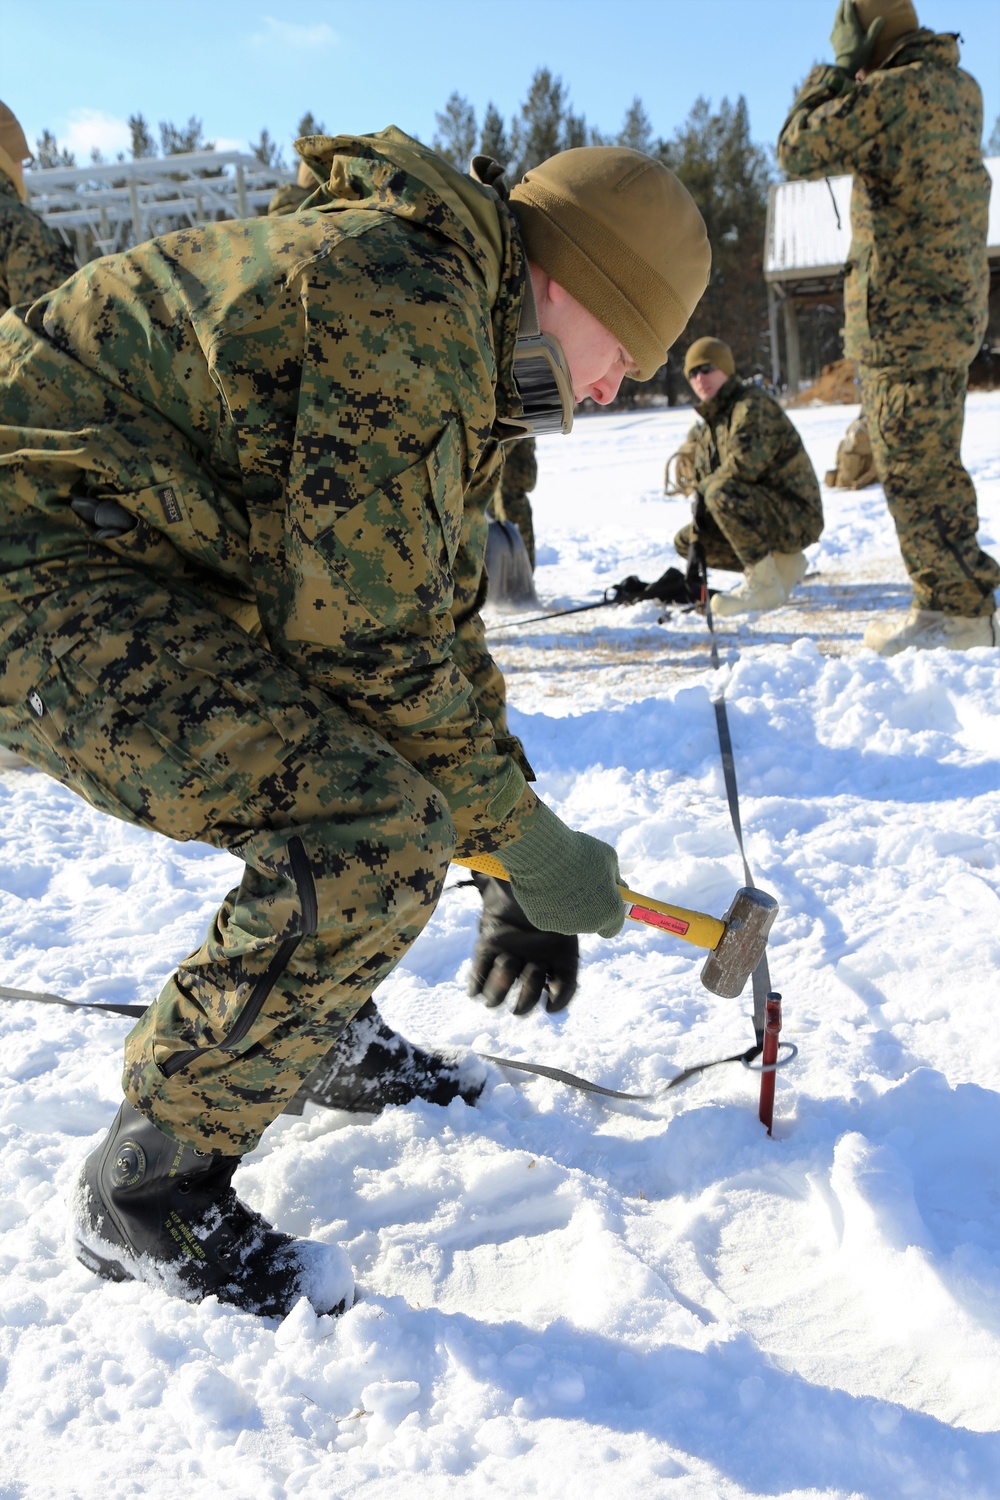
693 926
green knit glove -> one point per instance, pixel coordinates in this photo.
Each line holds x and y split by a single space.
852 45
565 881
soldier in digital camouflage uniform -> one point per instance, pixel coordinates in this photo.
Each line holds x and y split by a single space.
758 500
898 112
519 477
243 489
33 260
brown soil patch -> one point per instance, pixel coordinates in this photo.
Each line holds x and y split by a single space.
835 385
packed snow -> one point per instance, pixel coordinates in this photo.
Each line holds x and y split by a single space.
557 1295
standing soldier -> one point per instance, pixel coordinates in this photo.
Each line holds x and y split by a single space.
896 110
33 260
243 493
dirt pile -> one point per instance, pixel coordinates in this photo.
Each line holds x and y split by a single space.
836 383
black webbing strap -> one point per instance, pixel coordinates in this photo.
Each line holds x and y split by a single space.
573 1081
761 976
118 1010
541 1070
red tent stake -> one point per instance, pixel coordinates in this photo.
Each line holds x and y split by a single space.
772 1028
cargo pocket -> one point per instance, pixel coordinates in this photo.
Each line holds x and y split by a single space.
193 535
78 734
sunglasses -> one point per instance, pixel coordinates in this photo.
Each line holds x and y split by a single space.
700 370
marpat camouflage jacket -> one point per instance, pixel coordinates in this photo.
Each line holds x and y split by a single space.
917 275
298 412
33 260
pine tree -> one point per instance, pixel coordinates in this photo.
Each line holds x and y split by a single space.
636 131
538 131
575 133
456 135
49 154
178 142
493 141
268 152
143 143
309 125
728 177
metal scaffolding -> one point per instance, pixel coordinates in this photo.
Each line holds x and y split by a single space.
109 206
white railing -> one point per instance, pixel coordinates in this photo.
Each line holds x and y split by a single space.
108 206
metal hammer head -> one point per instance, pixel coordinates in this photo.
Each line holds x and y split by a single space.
741 947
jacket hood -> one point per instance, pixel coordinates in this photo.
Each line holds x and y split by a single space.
392 173
936 46
9 184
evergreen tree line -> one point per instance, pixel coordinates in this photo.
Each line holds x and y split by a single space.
712 153
727 174
174 141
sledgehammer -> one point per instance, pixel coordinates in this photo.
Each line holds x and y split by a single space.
737 940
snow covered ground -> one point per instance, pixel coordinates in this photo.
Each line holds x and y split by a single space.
558 1296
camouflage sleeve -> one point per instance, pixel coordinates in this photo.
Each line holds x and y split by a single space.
700 435
471 653
754 439
520 468
836 125
378 564
33 260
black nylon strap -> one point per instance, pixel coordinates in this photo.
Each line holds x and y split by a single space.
761 977
118 1010
558 1075
573 1081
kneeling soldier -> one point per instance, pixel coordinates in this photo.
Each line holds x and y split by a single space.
757 499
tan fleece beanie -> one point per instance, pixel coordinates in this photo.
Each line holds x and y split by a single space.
621 233
12 136
900 17
13 150
710 352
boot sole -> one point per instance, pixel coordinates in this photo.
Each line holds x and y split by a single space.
110 1270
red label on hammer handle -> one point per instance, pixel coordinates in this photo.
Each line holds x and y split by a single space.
659 919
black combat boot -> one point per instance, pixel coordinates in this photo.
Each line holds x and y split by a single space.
149 1209
370 1066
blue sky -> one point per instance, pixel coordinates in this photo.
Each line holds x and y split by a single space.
81 69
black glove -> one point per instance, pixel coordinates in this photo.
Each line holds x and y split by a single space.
672 588
699 513
629 591
510 951
695 577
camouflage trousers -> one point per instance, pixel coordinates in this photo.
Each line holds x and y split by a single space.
746 522
915 424
517 508
166 714
520 474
